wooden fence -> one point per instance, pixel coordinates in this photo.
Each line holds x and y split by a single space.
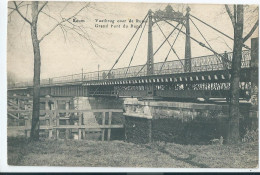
52 122
53 119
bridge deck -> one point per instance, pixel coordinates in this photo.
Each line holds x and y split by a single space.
201 64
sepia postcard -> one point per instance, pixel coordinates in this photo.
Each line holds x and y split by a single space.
132 85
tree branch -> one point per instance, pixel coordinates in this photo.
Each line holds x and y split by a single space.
230 15
251 31
42 7
16 8
83 36
75 28
61 26
24 21
64 20
13 8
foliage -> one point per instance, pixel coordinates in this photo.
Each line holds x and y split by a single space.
250 136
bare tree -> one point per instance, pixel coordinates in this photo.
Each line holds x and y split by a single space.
237 18
65 24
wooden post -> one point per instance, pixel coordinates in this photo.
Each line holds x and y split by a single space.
55 115
103 123
67 106
57 124
47 121
25 107
47 105
18 106
27 127
109 124
207 113
193 113
30 124
182 114
51 126
55 104
149 130
67 133
84 133
27 133
80 121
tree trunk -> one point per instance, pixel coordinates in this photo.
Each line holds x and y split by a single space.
233 134
36 77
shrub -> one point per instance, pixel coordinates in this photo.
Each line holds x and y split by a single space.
250 136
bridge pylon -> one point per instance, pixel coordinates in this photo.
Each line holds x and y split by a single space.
187 63
150 61
150 70
154 17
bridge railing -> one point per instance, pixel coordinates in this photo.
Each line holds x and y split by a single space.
198 64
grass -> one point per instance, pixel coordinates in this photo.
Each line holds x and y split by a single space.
16 149
88 153
243 155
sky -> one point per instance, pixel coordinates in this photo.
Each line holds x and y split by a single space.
69 54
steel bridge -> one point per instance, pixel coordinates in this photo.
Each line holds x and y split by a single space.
192 77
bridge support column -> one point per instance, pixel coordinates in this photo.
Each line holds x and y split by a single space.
138 121
83 103
94 119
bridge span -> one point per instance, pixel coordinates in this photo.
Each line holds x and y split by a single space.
208 78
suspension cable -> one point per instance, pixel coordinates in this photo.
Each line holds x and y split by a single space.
135 48
200 43
218 30
157 49
160 47
209 44
141 69
170 50
200 33
170 43
165 40
123 51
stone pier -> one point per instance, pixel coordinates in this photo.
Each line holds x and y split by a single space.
83 103
182 122
95 119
